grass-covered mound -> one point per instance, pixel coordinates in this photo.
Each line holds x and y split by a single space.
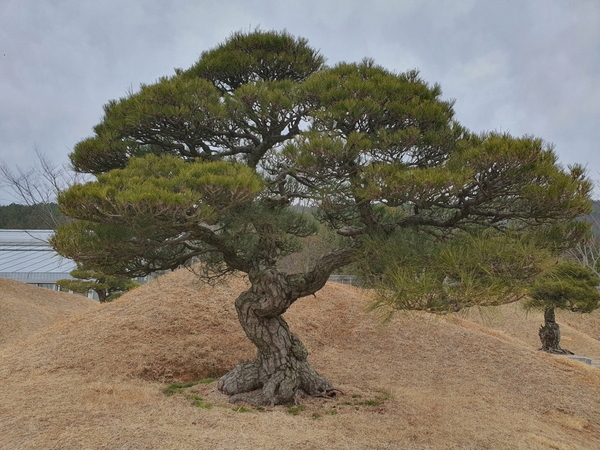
26 309
100 380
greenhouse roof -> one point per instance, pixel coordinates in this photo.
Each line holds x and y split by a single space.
26 255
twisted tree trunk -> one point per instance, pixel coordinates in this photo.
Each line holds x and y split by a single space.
550 334
281 369
102 295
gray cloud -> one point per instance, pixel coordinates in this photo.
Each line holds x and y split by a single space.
524 67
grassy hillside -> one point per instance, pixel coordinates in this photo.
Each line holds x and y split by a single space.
26 309
420 382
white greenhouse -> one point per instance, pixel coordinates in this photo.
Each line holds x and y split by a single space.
26 256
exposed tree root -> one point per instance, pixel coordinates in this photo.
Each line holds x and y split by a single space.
248 383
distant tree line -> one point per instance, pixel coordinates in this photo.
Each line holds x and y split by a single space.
595 217
45 216
42 216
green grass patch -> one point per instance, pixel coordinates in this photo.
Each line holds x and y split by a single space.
377 401
370 403
179 389
198 401
242 409
359 400
295 410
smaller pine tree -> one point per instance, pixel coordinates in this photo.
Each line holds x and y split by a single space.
570 286
107 287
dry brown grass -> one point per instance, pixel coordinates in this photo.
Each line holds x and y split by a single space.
26 309
420 382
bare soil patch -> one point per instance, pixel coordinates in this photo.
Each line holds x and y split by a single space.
420 382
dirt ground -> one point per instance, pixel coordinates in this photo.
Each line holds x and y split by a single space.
93 377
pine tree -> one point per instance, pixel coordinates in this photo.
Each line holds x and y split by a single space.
205 167
569 286
106 287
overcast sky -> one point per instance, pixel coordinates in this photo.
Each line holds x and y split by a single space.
521 66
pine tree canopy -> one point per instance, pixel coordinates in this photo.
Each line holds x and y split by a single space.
205 166
107 287
567 286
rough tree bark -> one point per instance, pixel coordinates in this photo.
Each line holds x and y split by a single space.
280 371
550 334
102 295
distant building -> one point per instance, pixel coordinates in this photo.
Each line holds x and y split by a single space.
26 256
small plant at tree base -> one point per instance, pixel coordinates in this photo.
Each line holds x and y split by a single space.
568 286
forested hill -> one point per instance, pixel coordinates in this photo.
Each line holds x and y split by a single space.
595 217
46 216
37 217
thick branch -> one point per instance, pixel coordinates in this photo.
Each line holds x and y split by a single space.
304 284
